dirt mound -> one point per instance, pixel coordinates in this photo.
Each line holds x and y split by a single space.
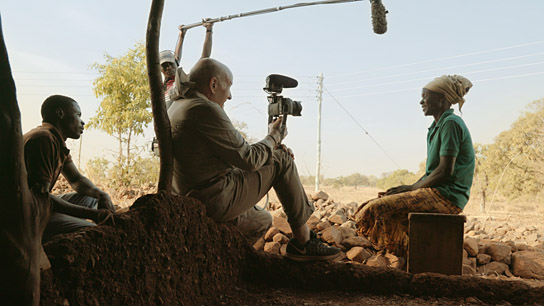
165 251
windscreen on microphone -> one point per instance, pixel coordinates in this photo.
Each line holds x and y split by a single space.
379 22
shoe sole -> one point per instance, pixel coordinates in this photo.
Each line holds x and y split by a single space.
304 258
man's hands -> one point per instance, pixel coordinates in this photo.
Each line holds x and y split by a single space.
207 25
104 202
102 216
395 190
274 130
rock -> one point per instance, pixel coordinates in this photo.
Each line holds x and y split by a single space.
500 252
465 254
349 224
376 260
522 247
358 254
473 262
272 247
468 270
272 231
322 225
483 259
471 246
512 245
340 257
280 238
320 196
356 241
259 245
483 244
493 267
283 250
338 218
394 261
346 232
44 261
528 264
312 222
282 225
331 235
319 204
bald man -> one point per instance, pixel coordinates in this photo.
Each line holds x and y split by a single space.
214 163
445 187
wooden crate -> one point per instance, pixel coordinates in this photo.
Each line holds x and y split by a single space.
436 243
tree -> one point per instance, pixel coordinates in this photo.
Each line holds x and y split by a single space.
24 211
514 163
124 111
396 178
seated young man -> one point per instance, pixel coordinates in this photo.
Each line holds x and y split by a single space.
46 157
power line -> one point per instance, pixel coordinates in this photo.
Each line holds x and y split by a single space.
441 68
362 128
426 78
445 58
416 88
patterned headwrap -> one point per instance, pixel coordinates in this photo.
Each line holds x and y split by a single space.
453 87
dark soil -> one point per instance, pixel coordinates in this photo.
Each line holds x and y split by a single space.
165 251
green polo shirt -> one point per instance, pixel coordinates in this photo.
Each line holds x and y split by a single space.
450 137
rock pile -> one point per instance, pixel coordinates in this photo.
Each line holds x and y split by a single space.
331 223
510 251
491 248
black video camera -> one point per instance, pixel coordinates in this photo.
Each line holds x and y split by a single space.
279 105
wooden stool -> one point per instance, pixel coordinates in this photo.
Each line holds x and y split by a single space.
435 243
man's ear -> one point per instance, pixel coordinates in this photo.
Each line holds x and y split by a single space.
60 113
214 82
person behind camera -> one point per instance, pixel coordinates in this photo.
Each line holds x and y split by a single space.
46 157
444 188
174 76
213 163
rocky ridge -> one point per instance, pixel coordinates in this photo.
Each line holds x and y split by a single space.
492 248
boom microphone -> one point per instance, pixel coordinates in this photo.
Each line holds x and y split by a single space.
379 22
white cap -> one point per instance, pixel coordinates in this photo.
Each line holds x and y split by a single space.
167 56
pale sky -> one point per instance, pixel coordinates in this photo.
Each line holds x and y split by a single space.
497 44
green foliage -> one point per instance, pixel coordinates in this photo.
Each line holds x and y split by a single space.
514 163
124 89
396 178
355 179
143 171
125 107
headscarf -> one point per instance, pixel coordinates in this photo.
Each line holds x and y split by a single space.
453 87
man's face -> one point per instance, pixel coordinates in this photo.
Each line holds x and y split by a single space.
222 92
168 69
71 124
431 102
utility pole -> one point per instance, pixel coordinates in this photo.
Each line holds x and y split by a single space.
79 155
319 100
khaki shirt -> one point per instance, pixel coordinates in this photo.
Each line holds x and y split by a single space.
207 146
45 155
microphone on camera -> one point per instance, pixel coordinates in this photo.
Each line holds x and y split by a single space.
379 22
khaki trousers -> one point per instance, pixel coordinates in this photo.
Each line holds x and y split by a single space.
232 198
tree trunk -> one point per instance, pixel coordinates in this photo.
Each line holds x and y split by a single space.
160 117
23 212
128 149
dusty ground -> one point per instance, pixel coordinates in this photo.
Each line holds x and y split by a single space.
164 251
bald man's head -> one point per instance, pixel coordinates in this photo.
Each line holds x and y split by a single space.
213 79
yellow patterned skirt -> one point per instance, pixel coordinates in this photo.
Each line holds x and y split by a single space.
384 221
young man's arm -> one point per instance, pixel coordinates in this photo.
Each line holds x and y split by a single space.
84 186
179 45
207 48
